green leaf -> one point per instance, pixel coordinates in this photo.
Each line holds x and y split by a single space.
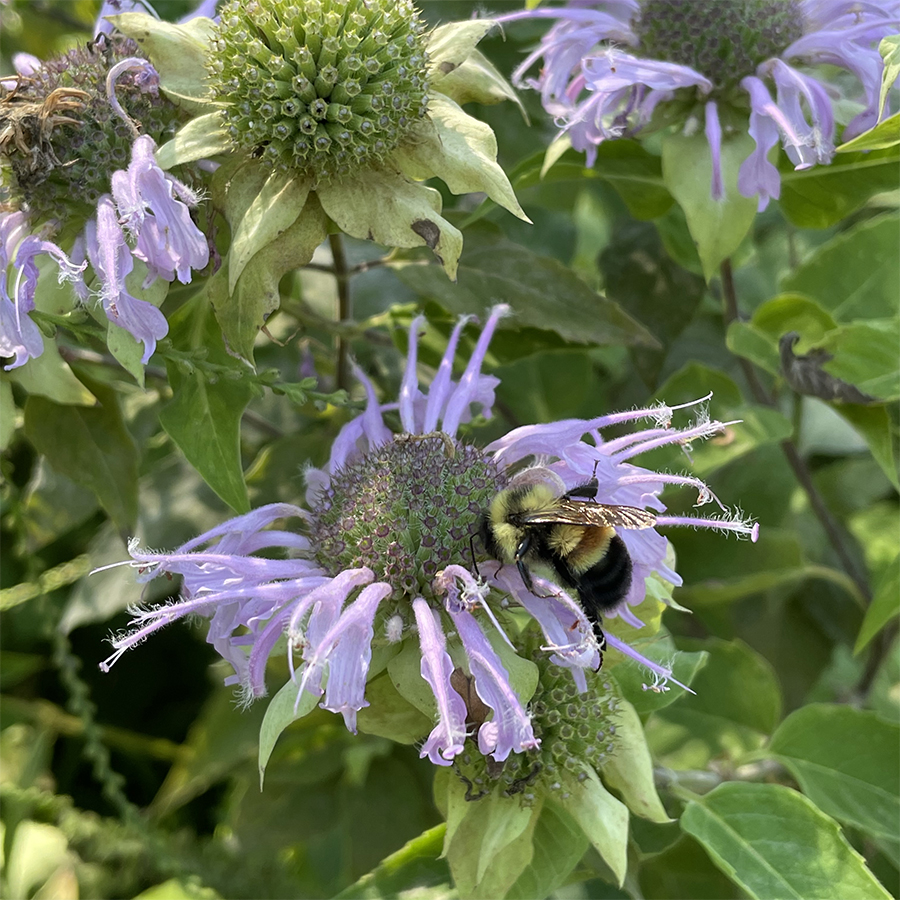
865 355
889 49
793 312
774 843
7 414
600 816
634 173
490 842
854 275
757 340
884 607
459 150
822 196
477 80
92 447
257 294
412 871
541 290
558 845
178 53
737 703
388 208
48 376
717 226
178 889
274 209
874 425
885 134
390 715
847 762
201 138
630 769
745 339
204 416
283 709
685 870
450 44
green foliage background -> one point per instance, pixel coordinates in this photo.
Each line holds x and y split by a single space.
145 782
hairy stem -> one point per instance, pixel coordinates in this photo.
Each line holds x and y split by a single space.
789 448
345 308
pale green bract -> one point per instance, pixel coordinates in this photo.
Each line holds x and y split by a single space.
279 214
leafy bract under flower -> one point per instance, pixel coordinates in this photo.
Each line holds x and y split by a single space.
324 110
407 562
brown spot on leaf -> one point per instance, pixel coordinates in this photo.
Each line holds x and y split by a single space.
428 231
446 67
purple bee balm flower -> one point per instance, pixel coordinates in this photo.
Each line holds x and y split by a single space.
155 208
608 65
19 335
112 261
386 550
153 205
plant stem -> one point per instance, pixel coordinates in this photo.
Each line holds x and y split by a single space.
345 308
789 448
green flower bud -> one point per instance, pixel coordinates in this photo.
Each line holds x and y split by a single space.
357 64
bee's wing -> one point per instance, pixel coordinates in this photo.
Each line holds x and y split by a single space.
574 512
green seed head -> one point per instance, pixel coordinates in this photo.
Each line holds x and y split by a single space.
576 733
61 140
319 86
724 40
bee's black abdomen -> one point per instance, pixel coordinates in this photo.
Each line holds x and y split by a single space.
605 585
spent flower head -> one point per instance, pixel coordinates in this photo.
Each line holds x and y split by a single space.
385 557
77 162
625 67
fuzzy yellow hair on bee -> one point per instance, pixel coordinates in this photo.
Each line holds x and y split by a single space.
571 536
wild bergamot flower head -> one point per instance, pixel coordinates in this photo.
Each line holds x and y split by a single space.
386 559
620 68
77 164
329 111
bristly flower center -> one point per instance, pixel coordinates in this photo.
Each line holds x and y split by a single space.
724 40
62 138
319 86
406 510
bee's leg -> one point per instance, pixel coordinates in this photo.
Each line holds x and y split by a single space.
521 550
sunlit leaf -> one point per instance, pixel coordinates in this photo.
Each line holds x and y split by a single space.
774 843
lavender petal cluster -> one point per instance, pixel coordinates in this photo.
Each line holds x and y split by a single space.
598 85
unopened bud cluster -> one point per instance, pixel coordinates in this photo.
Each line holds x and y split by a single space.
62 140
722 40
320 86
576 731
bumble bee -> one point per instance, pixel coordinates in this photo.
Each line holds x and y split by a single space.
575 539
